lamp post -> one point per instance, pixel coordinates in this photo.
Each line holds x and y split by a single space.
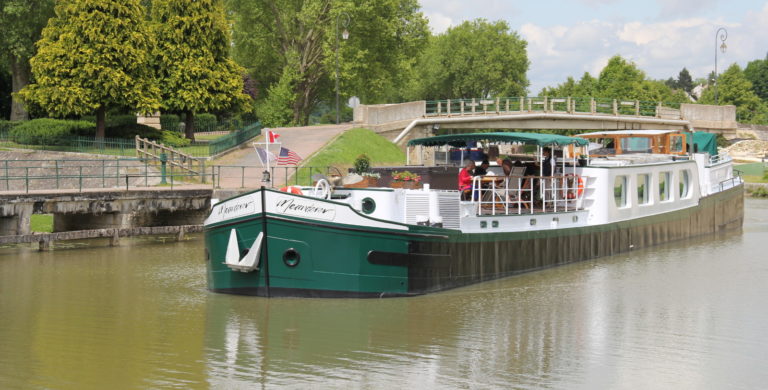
721 34
342 17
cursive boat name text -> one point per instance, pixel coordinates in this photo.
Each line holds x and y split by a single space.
305 209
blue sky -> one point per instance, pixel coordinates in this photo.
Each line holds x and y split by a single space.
568 38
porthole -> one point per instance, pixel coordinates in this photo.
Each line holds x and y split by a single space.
533 221
483 224
495 224
368 206
575 219
291 257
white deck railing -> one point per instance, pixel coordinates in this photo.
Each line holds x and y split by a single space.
526 194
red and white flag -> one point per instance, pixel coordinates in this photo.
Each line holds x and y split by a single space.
272 136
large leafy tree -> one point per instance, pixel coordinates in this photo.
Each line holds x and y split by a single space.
474 59
290 50
92 55
195 71
22 22
619 79
757 73
734 88
685 81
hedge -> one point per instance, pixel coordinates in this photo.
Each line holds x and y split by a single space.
49 131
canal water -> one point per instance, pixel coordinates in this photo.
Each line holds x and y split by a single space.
688 315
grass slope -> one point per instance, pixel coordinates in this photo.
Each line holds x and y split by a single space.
342 152
753 173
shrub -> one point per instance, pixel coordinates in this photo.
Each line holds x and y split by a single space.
759 192
49 131
6 126
362 163
129 131
174 139
205 122
170 122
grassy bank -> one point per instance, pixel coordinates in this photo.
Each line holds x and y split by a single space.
342 152
753 173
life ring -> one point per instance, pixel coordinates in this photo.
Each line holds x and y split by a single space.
568 192
292 190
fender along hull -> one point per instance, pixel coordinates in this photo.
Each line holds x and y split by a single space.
310 258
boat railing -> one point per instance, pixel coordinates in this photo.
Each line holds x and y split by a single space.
730 182
500 195
718 158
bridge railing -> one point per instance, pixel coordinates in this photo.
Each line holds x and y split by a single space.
548 104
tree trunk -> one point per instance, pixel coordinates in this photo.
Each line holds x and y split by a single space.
20 75
189 125
101 122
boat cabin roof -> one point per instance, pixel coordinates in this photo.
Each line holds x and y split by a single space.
459 140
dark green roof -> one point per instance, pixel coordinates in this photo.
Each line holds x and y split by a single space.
459 140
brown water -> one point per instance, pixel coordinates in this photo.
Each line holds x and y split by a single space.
690 315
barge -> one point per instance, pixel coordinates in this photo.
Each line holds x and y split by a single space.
609 192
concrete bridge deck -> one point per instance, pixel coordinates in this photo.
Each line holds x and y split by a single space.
405 121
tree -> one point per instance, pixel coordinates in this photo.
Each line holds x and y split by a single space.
22 21
195 72
92 55
757 73
734 88
289 48
684 81
474 59
587 86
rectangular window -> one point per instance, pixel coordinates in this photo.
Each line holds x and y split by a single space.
620 191
643 184
663 186
676 144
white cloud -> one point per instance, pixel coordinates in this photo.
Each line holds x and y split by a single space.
439 22
682 8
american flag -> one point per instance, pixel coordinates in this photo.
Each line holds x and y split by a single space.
288 157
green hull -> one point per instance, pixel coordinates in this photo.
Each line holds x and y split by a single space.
336 260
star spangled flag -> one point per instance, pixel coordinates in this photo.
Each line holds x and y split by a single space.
272 136
288 157
265 156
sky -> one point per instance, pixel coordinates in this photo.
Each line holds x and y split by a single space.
570 37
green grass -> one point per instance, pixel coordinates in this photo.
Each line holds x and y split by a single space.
342 152
753 173
208 137
41 223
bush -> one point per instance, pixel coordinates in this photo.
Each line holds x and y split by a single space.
174 139
362 164
170 122
129 131
6 126
49 131
759 192
205 122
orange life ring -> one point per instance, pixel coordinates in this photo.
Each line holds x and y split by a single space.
292 190
568 193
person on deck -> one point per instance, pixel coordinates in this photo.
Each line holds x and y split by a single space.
482 170
465 176
549 164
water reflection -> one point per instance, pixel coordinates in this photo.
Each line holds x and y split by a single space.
685 315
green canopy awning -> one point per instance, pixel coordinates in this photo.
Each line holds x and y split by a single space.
459 140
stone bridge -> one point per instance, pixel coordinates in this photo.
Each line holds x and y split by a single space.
405 121
105 209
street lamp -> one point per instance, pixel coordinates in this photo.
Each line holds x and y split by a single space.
341 18
721 34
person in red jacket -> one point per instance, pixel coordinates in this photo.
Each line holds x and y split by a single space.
465 177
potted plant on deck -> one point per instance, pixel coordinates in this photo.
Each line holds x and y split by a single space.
362 166
405 179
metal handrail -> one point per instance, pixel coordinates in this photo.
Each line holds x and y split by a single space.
569 104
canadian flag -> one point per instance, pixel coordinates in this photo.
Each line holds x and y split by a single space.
272 136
